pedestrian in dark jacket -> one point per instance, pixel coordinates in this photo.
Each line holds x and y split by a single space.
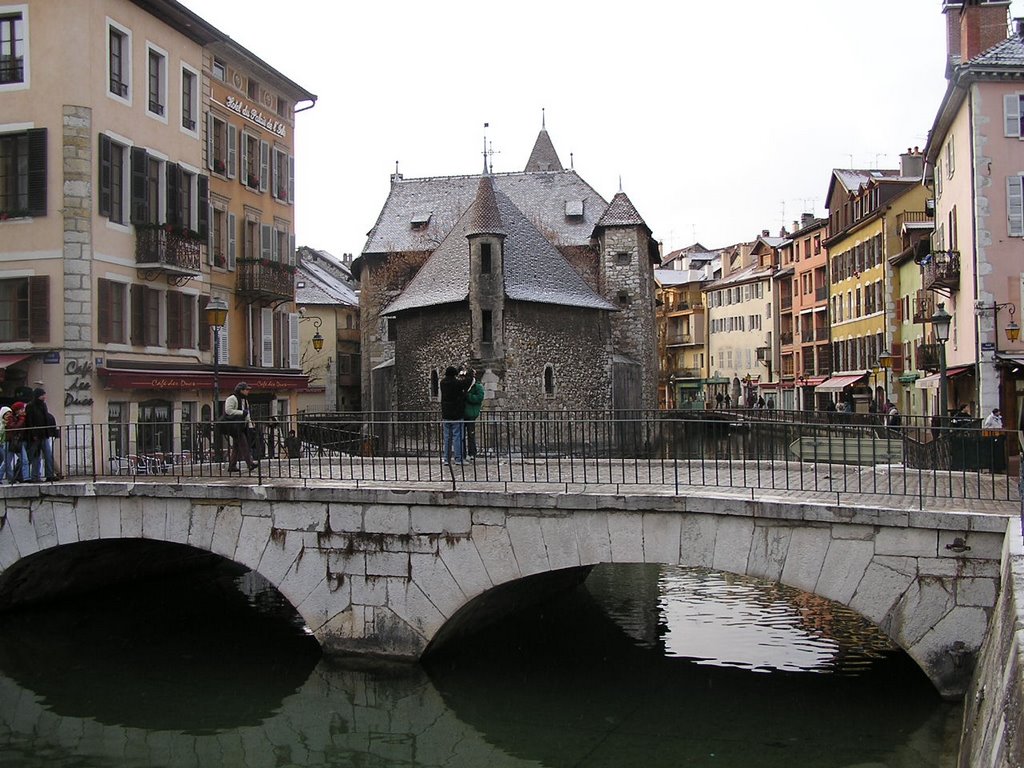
453 408
37 434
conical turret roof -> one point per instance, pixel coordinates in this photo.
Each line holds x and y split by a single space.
543 157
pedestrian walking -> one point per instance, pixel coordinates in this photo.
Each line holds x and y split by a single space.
453 409
38 436
17 453
239 424
474 402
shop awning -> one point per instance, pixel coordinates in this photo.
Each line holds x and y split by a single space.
811 381
932 382
185 379
9 360
839 383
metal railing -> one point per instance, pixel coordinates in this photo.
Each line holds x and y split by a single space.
752 449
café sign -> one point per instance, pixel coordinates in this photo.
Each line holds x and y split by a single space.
255 116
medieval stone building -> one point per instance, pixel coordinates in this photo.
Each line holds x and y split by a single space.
530 277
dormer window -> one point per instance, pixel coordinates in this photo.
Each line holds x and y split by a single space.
574 209
420 220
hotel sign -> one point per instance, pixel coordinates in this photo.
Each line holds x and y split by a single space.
255 116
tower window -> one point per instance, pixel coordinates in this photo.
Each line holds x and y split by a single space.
392 329
624 299
486 326
623 257
485 258
435 386
549 380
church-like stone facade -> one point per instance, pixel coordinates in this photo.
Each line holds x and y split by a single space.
531 278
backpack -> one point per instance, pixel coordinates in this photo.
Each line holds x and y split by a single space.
894 418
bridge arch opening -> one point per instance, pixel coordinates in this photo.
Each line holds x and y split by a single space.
90 607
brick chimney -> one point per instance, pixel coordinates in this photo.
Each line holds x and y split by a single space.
972 27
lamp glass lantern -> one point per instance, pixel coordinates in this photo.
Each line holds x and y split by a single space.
940 323
318 340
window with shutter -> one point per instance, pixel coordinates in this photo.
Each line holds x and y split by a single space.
23 173
232 241
204 325
139 206
1015 206
223 353
264 165
267 336
1011 115
293 340
174 320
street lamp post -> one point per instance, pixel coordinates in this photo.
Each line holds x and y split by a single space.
940 327
216 316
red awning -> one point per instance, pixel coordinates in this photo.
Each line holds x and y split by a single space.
811 381
839 383
8 360
146 378
932 382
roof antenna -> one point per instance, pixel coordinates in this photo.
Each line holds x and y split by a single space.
620 182
572 166
486 126
542 126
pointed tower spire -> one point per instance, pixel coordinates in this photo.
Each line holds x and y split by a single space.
543 157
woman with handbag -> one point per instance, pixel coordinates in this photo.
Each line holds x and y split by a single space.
236 416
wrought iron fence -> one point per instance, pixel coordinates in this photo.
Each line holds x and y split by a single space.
673 450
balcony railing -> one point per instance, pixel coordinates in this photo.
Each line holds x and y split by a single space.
942 271
807 335
912 217
928 357
923 307
266 278
680 338
168 248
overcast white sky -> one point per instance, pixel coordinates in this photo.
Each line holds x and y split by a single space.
720 118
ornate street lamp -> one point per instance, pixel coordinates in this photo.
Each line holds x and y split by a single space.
318 340
216 316
940 327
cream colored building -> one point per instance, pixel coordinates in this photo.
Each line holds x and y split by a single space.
105 219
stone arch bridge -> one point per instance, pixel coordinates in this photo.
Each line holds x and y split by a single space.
389 572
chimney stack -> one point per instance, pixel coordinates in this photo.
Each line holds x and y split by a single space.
912 164
972 27
806 219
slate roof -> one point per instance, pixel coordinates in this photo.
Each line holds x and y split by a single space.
621 213
543 157
1008 53
542 197
320 286
534 270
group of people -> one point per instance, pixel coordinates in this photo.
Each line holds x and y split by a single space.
462 396
27 432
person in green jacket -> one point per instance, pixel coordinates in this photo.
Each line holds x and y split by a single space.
474 401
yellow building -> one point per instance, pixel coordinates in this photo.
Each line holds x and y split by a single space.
864 209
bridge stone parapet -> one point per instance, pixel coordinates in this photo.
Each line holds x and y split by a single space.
386 571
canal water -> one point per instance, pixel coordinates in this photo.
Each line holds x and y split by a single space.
642 666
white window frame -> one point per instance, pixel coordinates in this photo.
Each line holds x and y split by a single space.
126 62
162 58
126 145
197 117
25 82
1012 114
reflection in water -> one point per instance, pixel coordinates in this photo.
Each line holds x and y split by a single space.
196 677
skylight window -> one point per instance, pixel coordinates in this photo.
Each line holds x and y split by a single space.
420 219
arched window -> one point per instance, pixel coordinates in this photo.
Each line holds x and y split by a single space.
435 386
549 380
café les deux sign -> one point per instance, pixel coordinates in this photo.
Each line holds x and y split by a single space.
255 116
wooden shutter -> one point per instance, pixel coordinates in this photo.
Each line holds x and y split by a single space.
203 206
1011 114
232 159
138 337
243 165
103 329
275 249
274 175
232 240
291 179
1015 206
291 250
39 308
204 326
267 337
223 353
266 235
37 172
210 132
264 165
173 195
174 319
293 340
138 210
105 174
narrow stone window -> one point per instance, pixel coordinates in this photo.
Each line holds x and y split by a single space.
485 258
624 299
435 386
486 326
623 257
549 380
392 329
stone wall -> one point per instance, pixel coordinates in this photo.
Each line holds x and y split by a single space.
993 732
574 341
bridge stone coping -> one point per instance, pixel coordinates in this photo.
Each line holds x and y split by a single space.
383 571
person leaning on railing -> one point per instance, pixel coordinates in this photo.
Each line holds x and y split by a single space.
239 423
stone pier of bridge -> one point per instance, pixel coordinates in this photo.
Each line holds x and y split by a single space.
389 572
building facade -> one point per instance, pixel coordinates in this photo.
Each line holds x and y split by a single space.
107 193
531 278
